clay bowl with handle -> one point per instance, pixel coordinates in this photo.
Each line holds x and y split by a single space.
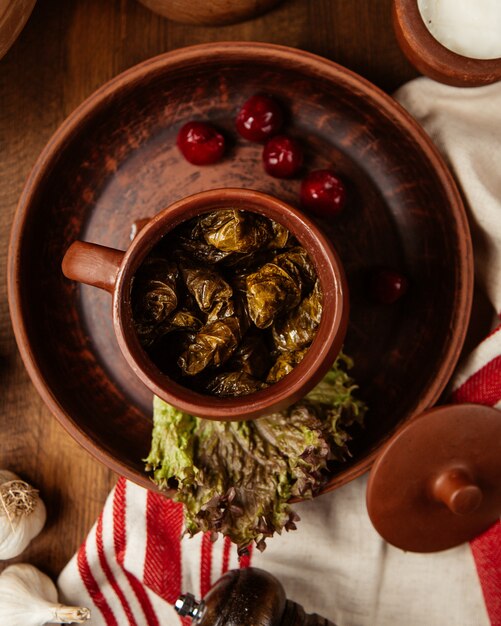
114 270
115 160
433 59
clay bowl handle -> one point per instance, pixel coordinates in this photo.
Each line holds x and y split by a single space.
92 264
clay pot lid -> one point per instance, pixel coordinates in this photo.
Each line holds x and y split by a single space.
437 483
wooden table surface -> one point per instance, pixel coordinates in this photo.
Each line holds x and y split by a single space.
67 50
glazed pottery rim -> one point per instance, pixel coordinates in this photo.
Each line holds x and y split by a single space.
315 66
254 10
435 59
320 355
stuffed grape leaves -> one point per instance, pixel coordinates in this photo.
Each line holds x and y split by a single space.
231 230
284 365
207 286
272 290
213 345
298 329
234 384
252 356
154 295
227 303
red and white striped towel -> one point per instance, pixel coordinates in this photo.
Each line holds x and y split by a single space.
133 565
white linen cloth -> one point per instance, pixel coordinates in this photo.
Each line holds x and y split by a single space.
335 564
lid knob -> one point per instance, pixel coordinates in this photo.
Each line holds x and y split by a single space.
457 491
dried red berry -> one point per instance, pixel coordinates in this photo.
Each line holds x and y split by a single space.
388 286
259 118
323 193
201 143
282 157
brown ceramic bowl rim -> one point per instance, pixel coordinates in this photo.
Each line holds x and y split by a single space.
316 66
433 58
320 355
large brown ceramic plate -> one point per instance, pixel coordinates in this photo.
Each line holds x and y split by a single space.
115 160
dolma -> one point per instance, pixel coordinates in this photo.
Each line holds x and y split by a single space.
180 320
232 230
213 346
219 298
252 356
234 384
298 329
271 291
280 238
298 257
285 363
191 241
186 320
166 350
209 289
154 297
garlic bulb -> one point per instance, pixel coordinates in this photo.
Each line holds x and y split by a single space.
22 515
29 598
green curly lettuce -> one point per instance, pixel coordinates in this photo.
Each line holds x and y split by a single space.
236 478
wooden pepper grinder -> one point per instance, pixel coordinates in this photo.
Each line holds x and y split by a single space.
247 597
